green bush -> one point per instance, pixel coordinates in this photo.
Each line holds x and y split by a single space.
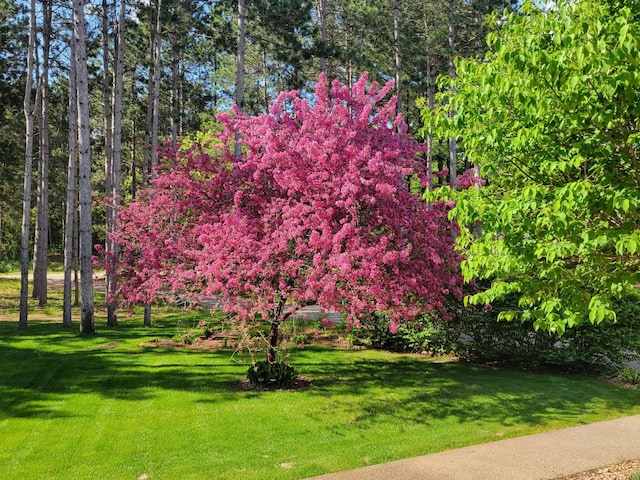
298 338
429 333
271 375
9 266
630 376
476 334
584 347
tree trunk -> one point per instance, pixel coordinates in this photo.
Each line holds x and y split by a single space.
69 224
107 98
147 315
396 54
41 241
241 46
322 19
113 197
453 144
431 94
87 323
76 226
156 87
273 341
175 86
274 331
147 150
28 165
107 82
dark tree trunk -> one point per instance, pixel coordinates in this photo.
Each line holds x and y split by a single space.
274 334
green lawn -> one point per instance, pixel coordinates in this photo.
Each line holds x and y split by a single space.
111 407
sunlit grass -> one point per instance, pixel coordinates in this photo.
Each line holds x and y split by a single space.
113 406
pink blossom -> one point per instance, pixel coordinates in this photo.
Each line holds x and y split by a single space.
313 210
326 323
469 179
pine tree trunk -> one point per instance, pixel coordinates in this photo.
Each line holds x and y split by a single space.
87 322
396 52
28 165
431 93
453 144
116 166
175 87
322 19
69 224
157 72
241 46
107 98
146 160
41 241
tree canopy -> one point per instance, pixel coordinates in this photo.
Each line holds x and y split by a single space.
551 116
316 208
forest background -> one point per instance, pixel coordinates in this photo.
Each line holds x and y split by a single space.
184 62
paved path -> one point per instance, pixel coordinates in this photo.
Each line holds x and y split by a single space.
541 456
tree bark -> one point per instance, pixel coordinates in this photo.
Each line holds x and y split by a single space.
28 166
156 87
87 322
396 54
274 330
453 144
322 19
70 224
175 86
147 315
241 46
113 196
107 98
41 241
431 94
273 341
147 150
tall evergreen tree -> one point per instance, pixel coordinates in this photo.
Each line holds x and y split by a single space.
87 322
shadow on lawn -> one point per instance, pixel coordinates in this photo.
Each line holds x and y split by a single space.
415 391
43 366
34 380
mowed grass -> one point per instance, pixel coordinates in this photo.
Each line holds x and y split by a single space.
111 406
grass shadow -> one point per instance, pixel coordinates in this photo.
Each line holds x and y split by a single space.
47 363
412 390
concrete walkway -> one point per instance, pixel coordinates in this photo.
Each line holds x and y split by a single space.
541 456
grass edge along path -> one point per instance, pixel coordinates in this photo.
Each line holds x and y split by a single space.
110 407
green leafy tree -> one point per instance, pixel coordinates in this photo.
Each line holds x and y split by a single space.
551 115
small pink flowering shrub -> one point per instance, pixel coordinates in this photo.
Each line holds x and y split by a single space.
315 209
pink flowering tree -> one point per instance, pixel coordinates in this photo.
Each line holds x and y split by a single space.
316 208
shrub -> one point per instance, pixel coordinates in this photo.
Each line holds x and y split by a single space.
476 334
584 347
271 375
630 376
429 333
9 265
190 331
298 338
